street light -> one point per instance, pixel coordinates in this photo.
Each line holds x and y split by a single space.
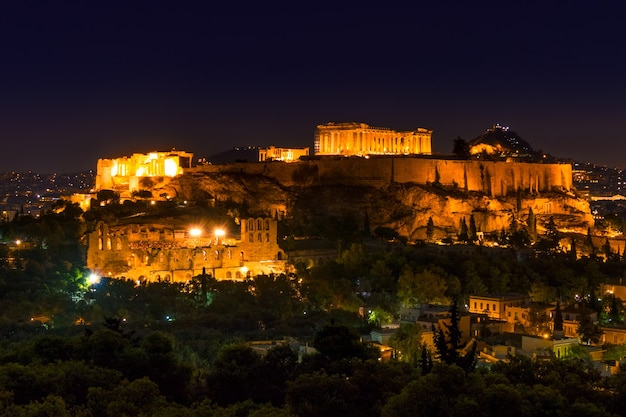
219 234
18 243
195 232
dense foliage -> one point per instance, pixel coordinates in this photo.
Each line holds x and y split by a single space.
113 348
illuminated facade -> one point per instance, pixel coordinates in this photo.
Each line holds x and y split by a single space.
282 154
126 174
360 139
165 252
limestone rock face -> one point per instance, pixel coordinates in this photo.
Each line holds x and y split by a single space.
263 194
405 208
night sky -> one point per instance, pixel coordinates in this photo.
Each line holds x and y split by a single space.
80 81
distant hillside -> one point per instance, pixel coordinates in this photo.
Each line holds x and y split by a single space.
238 154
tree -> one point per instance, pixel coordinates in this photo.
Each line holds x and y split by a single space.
419 288
338 342
234 375
141 194
549 244
588 244
471 234
320 394
606 249
430 229
616 311
426 360
108 196
448 343
461 148
558 320
407 342
588 331
463 230
532 224
277 368
573 255
367 231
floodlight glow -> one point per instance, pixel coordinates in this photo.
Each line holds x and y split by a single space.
195 232
219 232
93 279
171 167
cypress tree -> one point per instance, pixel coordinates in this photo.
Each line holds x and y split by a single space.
463 235
472 229
532 224
430 229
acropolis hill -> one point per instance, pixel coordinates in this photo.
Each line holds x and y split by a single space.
392 189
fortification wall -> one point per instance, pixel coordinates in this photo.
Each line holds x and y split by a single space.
490 177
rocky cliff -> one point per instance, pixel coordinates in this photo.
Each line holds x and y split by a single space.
404 207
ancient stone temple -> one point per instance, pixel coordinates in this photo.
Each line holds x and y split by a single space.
175 252
140 171
360 139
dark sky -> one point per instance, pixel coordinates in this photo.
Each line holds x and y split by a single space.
86 80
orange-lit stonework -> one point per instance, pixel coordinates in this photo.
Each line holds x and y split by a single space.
177 252
140 171
360 139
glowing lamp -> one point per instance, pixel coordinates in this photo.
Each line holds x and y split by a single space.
93 279
195 232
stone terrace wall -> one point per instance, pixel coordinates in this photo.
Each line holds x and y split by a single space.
492 178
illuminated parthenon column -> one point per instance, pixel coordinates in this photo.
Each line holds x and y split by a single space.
361 139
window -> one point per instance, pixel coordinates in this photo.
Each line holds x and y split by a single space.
216 255
109 243
259 224
229 275
259 238
475 305
493 307
250 225
267 224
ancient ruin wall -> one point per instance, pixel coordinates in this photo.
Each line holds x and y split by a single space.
492 178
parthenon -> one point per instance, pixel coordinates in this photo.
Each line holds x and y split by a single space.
360 139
